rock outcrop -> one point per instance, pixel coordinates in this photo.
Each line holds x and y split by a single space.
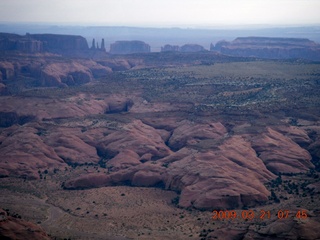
128 47
274 48
18 229
7 70
211 164
60 43
137 137
170 48
24 153
192 48
57 72
203 178
188 134
70 74
271 149
209 168
34 43
14 42
185 48
70 148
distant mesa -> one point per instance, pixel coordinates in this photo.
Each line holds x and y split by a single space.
170 48
14 42
128 47
34 43
184 48
56 42
271 48
192 48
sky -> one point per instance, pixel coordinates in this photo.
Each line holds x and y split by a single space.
162 13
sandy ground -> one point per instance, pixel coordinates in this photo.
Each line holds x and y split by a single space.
124 212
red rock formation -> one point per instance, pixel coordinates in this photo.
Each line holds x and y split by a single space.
136 136
123 160
116 64
281 154
54 72
76 106
96 69
23 154
119 105
73 73
190 133
18 229
211 169
90 180
296 134
71 148
205 179
218 178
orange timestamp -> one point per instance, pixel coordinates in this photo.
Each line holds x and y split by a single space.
250 214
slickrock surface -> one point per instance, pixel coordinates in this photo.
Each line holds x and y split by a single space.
271 148
68 74
137 137
24 153
209 172
208 163
12 228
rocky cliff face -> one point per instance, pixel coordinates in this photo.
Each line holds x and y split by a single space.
274 48
14 42
128 47
57 43
184 48
33 43
7 70
170 48
192 48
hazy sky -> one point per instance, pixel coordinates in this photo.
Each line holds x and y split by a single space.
162 12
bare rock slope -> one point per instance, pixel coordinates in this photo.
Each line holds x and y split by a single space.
18 229
209 168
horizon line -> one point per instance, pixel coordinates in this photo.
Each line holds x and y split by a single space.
169 26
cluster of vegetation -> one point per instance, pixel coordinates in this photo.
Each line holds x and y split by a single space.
12 214
42 175
204 233
221 87
293 186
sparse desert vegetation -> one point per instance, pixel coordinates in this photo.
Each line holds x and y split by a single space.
149 151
